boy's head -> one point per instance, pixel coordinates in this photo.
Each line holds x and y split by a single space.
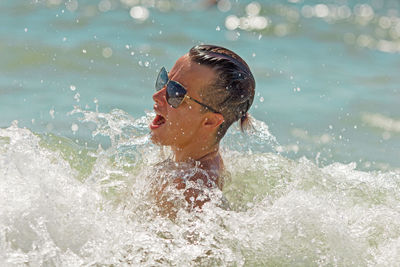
198 100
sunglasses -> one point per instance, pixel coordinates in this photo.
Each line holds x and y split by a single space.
175 92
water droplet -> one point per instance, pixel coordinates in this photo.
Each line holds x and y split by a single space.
107 52
218 29
132 53
74 127
253 55
51 112
224 5
139 13
253 9
72 87
232 22
261 99
84 51
26 29
77 97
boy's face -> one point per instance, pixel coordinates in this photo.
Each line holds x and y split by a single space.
179 127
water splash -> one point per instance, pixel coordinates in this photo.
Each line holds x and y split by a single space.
257 138
282 211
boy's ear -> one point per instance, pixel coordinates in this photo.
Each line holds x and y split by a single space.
213 120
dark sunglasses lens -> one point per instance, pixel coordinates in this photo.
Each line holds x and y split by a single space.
162 79
175 94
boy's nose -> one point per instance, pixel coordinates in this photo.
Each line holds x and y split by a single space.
159 97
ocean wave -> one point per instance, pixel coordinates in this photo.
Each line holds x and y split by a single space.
282 211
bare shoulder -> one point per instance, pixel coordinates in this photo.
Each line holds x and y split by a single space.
199 180
190 183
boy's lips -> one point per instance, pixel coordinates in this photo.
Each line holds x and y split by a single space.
158 121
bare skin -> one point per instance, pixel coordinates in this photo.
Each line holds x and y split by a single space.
189 131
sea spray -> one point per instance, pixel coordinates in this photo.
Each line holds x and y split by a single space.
281 211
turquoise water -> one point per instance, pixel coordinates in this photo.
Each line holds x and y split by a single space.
316 183
348 83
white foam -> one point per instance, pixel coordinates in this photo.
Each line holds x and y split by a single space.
283 211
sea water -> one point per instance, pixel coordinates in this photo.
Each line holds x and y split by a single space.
315 183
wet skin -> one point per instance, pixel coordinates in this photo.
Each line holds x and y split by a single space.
188 130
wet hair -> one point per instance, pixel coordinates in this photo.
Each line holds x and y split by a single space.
232 91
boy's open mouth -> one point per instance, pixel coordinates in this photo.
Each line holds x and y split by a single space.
157 122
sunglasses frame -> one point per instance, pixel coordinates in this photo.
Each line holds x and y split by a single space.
160 85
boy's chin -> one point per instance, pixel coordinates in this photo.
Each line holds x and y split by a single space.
157 140
154 139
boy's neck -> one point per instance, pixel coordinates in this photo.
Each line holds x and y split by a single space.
198 154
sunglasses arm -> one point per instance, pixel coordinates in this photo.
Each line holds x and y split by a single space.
204 105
